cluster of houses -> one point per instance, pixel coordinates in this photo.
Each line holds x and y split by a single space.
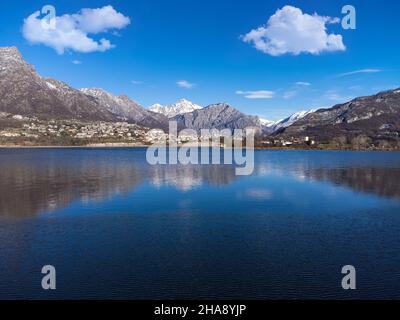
73 129
5 115
290 142
121 131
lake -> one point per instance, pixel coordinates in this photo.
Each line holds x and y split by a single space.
115 227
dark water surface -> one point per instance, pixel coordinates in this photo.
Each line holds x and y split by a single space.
115 227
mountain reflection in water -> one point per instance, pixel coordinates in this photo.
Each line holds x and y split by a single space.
382 182
43 181
31 184
118 228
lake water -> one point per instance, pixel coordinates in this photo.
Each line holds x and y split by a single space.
115 227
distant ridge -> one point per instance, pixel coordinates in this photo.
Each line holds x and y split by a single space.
218 116
372 118
126 109
272 127
180 107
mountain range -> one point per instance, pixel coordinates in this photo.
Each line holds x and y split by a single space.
217 116
180 107
373 119
24 92
125 109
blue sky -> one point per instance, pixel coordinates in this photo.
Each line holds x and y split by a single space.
201 45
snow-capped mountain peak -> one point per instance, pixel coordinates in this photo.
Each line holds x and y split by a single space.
294 118
284 123
266 122
158 108
182 106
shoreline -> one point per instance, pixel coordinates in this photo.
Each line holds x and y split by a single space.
97 146
137 146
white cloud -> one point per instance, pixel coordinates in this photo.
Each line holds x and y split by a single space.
290 31
362 71
185 84
296 89
77 62
290 94
260 94
136 82
71 32
355 88
335 96
100 20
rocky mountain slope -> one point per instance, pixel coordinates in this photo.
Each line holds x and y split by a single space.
270 127
24 92
218 116
290 120
126 109
180 107
375 117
